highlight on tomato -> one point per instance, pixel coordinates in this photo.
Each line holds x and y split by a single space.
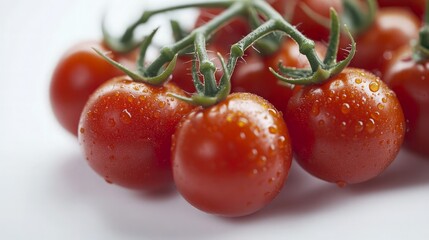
76 76
346 130
231 159
125 132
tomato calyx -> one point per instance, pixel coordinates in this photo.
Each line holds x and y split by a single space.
320 71
266 23
421 46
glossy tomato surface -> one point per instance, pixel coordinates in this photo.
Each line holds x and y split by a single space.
392 29
410 80
417 6
231 159
347 130
78 73
255 77
125 132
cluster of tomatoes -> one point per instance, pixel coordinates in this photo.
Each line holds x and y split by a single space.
232 158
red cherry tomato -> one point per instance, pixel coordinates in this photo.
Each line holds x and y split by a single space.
79 72
125 132
255 77
308 25
231 159
410 81
346 130
392 28
417 6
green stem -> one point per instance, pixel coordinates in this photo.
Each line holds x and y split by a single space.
126 43
306 46
207 68
424 32
167 53
421 47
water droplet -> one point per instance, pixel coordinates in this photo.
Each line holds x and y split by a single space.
108 180
272 148
358 80
272 129
125 116
370 126
359 126
341 183
130 98
343 126
315 110
161 104
255 171
375 115
380 106
82 130
345 108
374 86
242 135
254 152
242 122
256 131
272 112
281 141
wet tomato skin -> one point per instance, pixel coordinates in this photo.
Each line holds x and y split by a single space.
346 130
76 76
231 159
392 29
410 81
417 6
125 132
255 77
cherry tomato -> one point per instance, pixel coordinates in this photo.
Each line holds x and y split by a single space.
417 6
79 72
346 130
231 159
410 80
308 25
125 132
255 77
392 28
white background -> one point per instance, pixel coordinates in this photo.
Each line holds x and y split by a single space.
47 191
